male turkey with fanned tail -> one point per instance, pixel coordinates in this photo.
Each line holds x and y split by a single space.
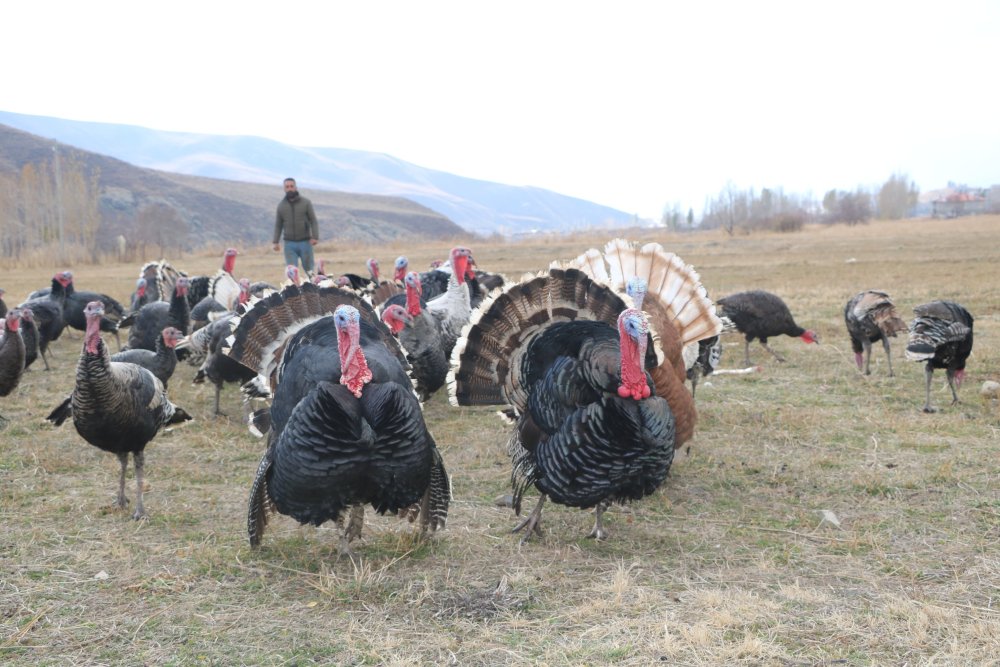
941 336
573 360
345 428
116 406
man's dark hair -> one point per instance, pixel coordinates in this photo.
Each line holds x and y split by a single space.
289 179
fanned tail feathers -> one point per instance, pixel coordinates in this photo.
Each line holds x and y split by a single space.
493 341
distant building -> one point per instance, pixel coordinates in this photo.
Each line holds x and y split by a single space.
957 201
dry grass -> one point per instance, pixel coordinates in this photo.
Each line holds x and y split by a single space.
730 563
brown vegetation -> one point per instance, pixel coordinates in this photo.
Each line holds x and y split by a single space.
818 518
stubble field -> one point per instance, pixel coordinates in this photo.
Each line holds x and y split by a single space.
818 517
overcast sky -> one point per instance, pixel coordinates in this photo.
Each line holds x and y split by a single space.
634 105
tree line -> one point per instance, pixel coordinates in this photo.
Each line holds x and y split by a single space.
54 211
773 209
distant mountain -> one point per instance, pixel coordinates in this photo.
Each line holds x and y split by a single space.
478 206
203 211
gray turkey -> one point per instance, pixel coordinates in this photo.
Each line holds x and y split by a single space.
48 313
115 406
419 333
871 316
161 362
149 322
679 310
941 335
762 315
11 354
210 308
222 287
573 360
346 429
139 297
453 307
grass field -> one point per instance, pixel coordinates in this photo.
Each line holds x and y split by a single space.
818 518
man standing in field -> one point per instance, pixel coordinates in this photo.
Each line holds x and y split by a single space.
297 219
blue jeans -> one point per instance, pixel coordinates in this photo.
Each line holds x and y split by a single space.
296 250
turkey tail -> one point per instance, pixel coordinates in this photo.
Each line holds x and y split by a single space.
260 507
260 331
674 290
62 412
889 321
259 422
435 510
486 360
936 323
128 320
194 348
224 289
882 310
590 262
385 291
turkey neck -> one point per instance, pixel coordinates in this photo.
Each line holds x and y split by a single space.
354 371
633 354
412 301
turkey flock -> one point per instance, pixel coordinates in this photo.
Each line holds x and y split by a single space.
587 362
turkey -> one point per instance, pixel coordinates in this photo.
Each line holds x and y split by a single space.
762 315
118 407
29 333
76 301
345 426
941 335
48 313
222 286
160 362
678 307
147 324
3 304
11 355
364 285
435 282
139 298
217 367
454 306
419 333
573 359
209 308
871 316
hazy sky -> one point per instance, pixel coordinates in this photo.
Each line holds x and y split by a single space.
635 105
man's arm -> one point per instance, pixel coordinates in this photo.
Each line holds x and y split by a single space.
313 225
278 224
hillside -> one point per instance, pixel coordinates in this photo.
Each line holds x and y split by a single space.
478 206
213 211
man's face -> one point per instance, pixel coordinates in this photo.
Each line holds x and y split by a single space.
290 187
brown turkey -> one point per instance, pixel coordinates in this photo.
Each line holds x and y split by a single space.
870 317
941 335
115 406
573 360
345 428
11 355
762 315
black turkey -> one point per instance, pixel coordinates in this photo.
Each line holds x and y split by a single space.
572 359
870 317
48 313
118 407
77 300
679 310
149 322
217 367
762 315
11 354
3 304
941 335
29 334
345 426
161 362
419 333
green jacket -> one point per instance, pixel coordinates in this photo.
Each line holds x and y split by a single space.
297 219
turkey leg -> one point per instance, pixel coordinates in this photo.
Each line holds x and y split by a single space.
530 523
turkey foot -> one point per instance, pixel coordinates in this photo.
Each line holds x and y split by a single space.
531 522
598 533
